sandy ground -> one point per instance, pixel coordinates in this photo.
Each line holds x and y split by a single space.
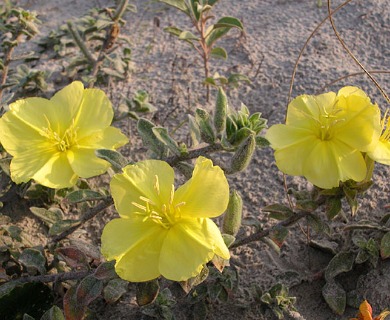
275 31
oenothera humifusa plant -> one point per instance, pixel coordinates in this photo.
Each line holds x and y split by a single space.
206 35
16 25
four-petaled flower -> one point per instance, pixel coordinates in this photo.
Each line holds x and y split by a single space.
54 141
162 231
325 135
381 152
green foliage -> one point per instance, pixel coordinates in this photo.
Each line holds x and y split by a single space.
102 52
278 300
200 14
18 25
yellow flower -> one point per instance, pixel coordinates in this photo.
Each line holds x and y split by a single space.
54 141
325 135
162 231
381 153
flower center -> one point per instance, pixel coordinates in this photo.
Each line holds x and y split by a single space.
61 142
328 121
165 215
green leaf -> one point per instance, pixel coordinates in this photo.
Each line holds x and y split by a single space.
262 142
220 113
215 35
318 224
61 226
33 259
333 207
188 36
84 195
88 290
178 4
54 313
49 217
145 129
335 296
219 53
278 211
194 131
162 134
341 262
147 292
105 271
113 157
306 205
114 290
235 78
229 22
203 120
278 235
210 81
385 246
174 31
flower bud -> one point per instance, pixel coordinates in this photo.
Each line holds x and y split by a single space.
243 155
220 111
232 218
203 120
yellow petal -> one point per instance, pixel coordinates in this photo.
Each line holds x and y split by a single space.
34 112
56 173
331 162
206 194
350 90
66 104
47 167
295 147
282 136
320 166
381 153
26 164
17 136
109 138
350 162
95 112
152 179
135 245
359 124
187 247
304 111
85 163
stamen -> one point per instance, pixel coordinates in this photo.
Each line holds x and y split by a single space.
147 200
139 206
172 194
157 185
180 204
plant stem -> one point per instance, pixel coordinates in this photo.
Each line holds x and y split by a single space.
194 153
76 36
120 10
264 233
87 216
7 61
